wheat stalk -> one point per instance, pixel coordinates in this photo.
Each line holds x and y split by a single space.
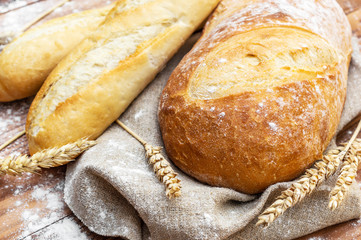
14 138
347 175
301 188
163 170
312 178
48 158
161 166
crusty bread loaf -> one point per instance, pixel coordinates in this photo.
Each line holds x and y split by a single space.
96 82
26 62
259 97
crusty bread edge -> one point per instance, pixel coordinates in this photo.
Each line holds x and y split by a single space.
8 89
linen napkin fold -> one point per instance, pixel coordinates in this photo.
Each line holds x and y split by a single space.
112 189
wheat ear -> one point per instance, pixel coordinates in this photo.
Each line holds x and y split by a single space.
347 175
307 183
161 166
348 171
302 187
48 158
163 170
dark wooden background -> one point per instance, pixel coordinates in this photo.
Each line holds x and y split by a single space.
31 205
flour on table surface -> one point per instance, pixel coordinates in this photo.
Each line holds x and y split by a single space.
12 121
65 229
32 206
13 113
51 200
10 22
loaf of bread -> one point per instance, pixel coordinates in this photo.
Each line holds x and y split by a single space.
96 82
26 62
259 97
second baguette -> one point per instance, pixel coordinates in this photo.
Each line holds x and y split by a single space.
26 62
95 83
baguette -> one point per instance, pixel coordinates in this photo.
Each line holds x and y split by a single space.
259 97
96 82
26 62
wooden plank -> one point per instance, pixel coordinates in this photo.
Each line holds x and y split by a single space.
73 228
11 5
31 202
19 196
12 121
11 22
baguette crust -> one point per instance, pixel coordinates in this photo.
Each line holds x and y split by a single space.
259 97
89 107
26 62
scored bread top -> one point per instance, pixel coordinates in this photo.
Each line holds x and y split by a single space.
104 56
263 60
259 96
96 82
100 53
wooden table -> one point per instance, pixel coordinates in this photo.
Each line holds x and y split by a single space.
32 207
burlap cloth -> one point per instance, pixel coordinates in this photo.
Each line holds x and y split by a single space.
114 192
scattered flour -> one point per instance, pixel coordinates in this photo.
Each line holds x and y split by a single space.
138 114
38 194
273 126
12 121
11 5
66 229
50 208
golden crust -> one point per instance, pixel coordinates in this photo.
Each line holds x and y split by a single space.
99 102
26 62
251 136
